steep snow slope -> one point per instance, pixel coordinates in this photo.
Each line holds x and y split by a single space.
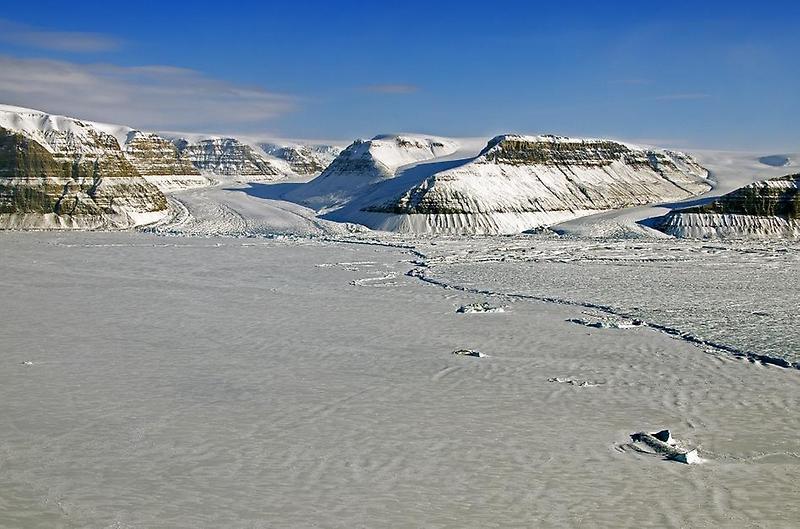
515 183
62 173
367 162
766 209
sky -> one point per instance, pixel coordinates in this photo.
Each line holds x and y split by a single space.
723 75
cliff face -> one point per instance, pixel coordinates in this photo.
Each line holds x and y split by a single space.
228 156
549 150
521 182
766 209
153 155
58 174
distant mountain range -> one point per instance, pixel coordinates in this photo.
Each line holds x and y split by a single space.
58 172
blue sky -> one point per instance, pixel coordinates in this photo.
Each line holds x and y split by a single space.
700 74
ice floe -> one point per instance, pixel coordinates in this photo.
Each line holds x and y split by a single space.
573 382
608 323
663 443
469 352
475 308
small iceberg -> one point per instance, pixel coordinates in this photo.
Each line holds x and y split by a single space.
469 352
662 442
572 382
475 308
608 323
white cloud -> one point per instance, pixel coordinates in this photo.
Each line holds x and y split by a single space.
149 97
72 41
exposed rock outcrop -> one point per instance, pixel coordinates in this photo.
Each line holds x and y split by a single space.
153 155
228 156
82 185
160 163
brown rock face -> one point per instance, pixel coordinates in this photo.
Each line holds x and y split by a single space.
227 156
79 186
154 155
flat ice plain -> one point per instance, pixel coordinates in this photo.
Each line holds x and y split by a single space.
193 382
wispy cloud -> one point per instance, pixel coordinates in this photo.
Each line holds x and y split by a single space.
392 88
682 97
72 41
149 97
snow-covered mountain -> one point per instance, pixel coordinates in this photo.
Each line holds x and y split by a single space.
413 184
62 173
367 162
766 209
